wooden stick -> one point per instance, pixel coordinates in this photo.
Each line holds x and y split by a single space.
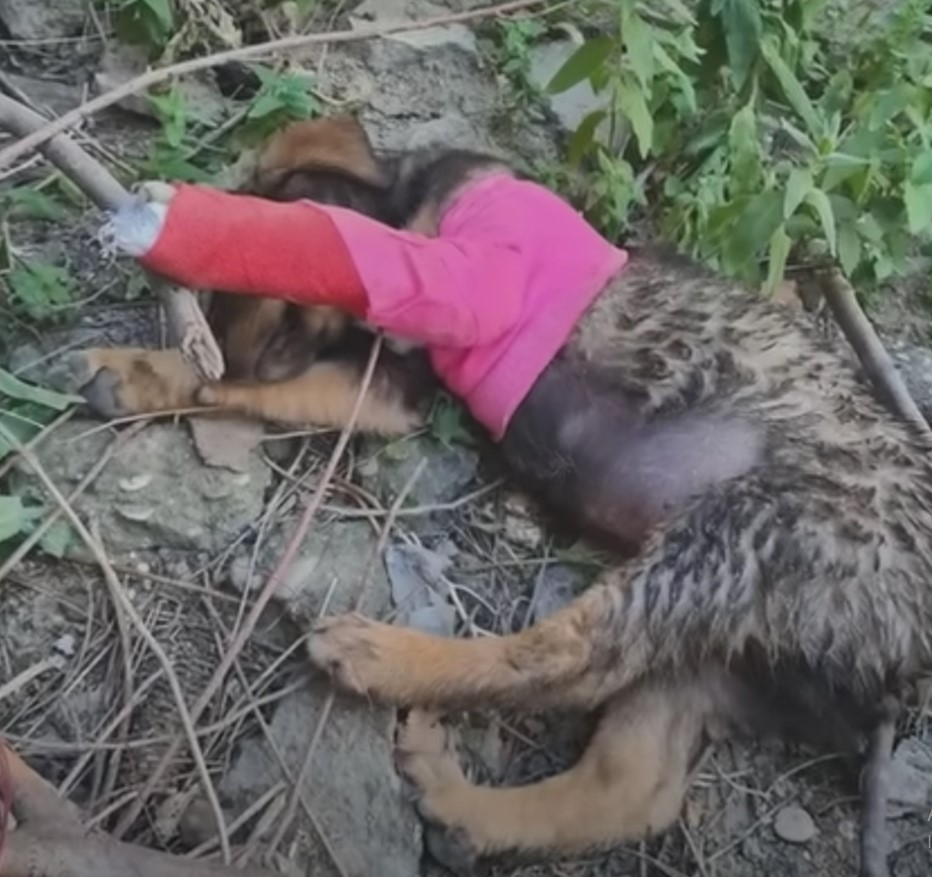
187 326
36 138
870 351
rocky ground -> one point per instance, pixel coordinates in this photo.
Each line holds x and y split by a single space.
195 517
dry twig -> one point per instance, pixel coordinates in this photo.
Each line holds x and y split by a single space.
46 132
124 604
265 595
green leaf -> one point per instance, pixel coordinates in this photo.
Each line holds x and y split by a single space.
265 105
849 248
639 42
779 252
633 105
750 230
12 387
918 201
28 203
56 539
581 64
41 288
741 22
686 86
792 88
920 173
162 11
583 137
819 201
13 517
798 185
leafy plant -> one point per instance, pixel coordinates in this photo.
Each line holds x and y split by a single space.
755 137
448 422
39 289
25 409
149 23
282 98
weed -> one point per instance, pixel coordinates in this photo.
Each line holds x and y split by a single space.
754 137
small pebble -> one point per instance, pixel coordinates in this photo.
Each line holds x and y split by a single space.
794 825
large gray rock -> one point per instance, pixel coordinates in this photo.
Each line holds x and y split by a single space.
155 492
448 472
351 787
42 19
385 13
336 560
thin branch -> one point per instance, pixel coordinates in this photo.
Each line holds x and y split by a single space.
187 323
126 605
874 358
268 591
258 50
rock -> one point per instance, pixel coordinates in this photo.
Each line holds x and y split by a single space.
910 779
382 13
573 105
451 129
794 825
121 62
914 364
228 442
333 558
449 470
419 589
351 786
154 492
48 94
50 19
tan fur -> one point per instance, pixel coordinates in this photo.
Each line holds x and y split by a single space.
339 142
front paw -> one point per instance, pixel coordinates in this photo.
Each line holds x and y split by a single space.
347 648
80 373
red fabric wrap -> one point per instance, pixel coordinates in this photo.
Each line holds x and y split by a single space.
242 244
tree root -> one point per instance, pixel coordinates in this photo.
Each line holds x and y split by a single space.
50 840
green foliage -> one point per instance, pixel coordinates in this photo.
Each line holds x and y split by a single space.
25 410
187 148
448 422
148 23
40 290
758 135
282 98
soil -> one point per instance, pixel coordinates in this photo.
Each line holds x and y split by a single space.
192 561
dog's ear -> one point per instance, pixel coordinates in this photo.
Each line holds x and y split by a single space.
339 143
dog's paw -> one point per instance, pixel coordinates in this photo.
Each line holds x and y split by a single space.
348 648
79 373
426 757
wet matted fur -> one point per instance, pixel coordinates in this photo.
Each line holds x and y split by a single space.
781 522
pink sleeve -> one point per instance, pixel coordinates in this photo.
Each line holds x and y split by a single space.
457 291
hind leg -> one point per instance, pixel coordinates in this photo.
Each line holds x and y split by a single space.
629 783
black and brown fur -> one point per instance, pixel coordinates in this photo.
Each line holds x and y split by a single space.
783 528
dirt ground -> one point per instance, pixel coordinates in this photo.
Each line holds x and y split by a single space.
193 537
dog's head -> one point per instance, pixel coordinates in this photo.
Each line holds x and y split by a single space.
330 161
